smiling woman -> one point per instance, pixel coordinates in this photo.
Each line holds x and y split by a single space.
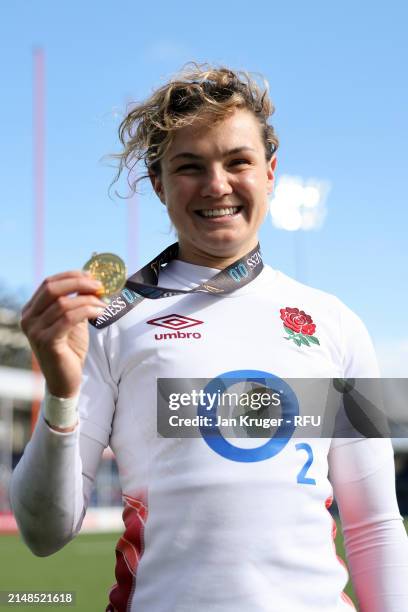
248 518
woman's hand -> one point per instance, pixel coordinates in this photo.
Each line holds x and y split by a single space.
55 321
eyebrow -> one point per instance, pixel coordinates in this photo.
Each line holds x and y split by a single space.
189 155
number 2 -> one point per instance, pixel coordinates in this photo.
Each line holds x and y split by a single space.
301 477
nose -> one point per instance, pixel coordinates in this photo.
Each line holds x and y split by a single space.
215 183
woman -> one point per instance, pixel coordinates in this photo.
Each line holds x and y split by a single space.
209 524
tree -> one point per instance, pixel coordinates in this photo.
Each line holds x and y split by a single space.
15 349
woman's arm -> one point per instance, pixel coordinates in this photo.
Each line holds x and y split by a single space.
363 478
51 486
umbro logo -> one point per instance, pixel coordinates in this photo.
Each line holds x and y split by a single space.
175 322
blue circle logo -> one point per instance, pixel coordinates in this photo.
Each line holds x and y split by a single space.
213 436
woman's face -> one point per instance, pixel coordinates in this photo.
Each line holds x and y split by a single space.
215 183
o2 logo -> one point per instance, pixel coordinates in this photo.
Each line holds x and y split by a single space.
238 272
290 408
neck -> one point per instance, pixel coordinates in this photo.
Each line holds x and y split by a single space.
211 260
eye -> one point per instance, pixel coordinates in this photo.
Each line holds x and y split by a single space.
188 167
240 162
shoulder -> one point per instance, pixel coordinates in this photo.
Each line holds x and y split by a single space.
331 319
293 293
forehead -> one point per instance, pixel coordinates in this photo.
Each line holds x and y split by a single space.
202 137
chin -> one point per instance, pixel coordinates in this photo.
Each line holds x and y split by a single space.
232 241
224 248
222 242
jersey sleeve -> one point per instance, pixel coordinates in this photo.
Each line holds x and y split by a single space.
51 485
99 390
358 355
363 477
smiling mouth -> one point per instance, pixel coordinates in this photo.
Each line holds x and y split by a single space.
219 212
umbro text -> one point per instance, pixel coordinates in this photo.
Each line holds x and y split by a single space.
177 334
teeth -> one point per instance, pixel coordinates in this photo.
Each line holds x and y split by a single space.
219 212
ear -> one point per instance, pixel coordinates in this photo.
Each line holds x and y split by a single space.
157 186
271 165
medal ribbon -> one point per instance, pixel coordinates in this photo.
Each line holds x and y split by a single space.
144 283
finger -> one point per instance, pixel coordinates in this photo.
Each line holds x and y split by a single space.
55 277
69 319
51 290
64 304
68 274
34 327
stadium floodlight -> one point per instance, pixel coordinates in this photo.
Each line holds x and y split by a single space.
299 204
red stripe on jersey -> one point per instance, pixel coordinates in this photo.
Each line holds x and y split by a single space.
129 549
344 596
347 599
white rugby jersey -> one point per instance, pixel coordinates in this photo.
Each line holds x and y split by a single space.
230 528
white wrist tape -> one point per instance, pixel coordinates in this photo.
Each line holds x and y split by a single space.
59 411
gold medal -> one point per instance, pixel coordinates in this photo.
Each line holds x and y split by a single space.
109 269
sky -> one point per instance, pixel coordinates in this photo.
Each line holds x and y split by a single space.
338 80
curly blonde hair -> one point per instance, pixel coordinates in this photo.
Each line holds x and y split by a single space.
199 90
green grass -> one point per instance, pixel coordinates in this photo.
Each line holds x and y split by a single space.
340 551
85 565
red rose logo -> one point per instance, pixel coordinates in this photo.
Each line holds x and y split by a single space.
299 326
298 320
